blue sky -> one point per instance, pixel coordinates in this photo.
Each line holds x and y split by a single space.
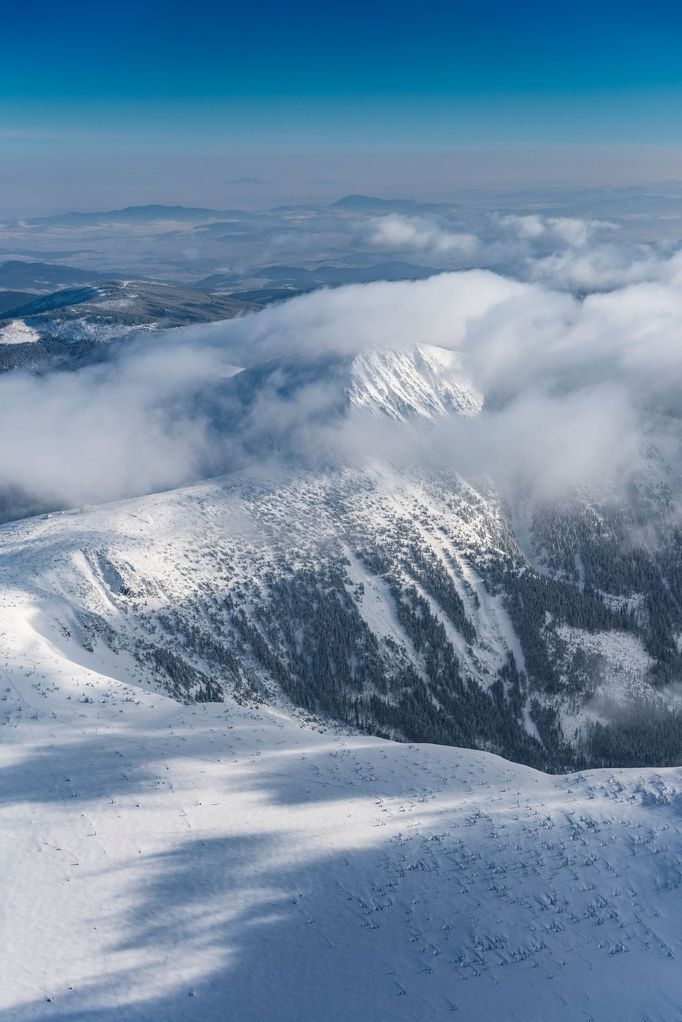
271 78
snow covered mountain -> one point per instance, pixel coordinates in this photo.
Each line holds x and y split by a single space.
252 726
401 604
427 381
397 599
53 328
235 860
129 303
424 382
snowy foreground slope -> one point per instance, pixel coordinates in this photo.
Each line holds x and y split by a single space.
220 861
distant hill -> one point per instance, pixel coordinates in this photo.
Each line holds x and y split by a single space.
10 299
67 326
285 281
21 275
130 215
372 204
369 203
127 303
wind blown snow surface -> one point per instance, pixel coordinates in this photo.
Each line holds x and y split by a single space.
222 861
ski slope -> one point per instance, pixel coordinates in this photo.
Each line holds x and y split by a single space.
218 861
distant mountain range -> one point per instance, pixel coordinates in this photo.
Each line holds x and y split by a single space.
129 215
154 212
20 280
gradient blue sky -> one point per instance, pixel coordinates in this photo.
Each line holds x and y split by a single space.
260 86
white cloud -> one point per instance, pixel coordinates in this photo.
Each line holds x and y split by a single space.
555 230
564 252
395 231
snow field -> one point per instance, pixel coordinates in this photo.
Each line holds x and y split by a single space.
167 862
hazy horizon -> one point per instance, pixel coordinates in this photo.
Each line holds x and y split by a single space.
254 182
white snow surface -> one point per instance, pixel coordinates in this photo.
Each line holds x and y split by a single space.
214 862
427 381
621 674
93 330
18 332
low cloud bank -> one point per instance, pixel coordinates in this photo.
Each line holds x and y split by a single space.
418 234
562 252
577 392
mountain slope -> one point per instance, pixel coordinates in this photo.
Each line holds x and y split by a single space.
24 275
129 302
218 861
427 381
400 603
12 299
394 598
71 322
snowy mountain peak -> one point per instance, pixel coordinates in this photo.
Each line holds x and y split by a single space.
426 381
